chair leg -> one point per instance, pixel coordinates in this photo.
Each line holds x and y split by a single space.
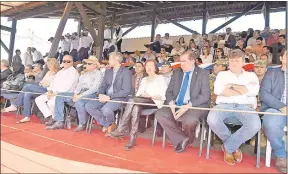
197 131
164 139
88 124
258 149
18 111
154 132
201 138
5 105
146 124
268 154
208 144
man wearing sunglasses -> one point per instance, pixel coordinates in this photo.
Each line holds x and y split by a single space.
88 85
116 85
64 81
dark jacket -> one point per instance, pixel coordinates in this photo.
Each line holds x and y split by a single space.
122 84
199 88
5 74
271 90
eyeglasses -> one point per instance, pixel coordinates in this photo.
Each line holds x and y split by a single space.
218 51
66 61
89 64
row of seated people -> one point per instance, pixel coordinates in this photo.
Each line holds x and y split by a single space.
189 86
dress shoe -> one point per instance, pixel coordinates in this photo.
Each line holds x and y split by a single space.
228 157
238 156
182 146
50 122
80 128
281 165
131 143
56 125
116 134
112 128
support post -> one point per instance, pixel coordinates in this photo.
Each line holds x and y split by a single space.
80 26
112 24
86 21
153 25
100 38
267 14
4 46
58 34
237 17
204 21
12 39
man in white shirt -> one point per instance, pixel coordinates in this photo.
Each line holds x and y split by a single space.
236 89
107 33
64 81
118 36
85 43
36 55
28 57
167 43
74 42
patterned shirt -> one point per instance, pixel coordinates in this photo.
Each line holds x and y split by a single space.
283 99
212 79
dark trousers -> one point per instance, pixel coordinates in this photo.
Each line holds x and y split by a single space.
189 123
119 45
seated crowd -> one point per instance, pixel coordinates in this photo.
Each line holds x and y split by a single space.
101 88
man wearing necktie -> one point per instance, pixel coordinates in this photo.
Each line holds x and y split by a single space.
189 87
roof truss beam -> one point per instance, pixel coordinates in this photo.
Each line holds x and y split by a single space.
23 7
6 28
92 6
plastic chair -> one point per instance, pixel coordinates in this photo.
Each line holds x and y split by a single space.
269 150
258 144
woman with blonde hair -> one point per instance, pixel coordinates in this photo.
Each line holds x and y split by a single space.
206 56
25 99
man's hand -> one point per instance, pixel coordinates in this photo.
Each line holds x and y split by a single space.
103 98
182 111
284 110
50 95
76 98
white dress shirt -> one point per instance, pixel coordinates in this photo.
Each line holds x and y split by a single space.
209 59
167 41
157 87
65 45
107 33
37 55
65 81
247 79
74 44
85 42
27 59
120 35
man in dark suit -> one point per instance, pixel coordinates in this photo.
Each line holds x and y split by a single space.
273 94
230 38
189 86
116 85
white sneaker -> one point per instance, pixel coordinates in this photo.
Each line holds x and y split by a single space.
10 109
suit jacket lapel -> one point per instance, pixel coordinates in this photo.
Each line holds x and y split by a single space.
117 76
194 77
181 74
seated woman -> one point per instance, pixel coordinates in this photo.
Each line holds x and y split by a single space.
24 99
88 84
206 56
219 54
152 90
35 76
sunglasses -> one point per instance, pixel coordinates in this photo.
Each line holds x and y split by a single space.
66 61
89 64
219 51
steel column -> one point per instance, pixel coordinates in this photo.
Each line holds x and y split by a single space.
12 39
237 17
267 14
58 34
153 25
4 46
101 26
204 21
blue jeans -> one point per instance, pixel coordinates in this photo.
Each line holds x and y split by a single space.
273 128
80 107
102 112
25 99
251 124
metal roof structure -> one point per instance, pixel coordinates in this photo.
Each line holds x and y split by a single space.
128 13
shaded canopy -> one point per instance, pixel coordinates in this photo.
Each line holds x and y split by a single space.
127 13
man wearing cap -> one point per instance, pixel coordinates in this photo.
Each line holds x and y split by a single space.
220 65
236 89
189 87
85 43
166 71
260 68
273 95
87 87
74 42
28 57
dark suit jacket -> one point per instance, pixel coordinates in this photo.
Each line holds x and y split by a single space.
122 84
271 90
5 74
199 88
232 41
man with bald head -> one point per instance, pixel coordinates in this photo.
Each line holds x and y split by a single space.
65 81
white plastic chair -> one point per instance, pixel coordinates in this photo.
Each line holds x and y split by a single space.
269 150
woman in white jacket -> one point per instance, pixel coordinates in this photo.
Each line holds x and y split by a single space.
152 90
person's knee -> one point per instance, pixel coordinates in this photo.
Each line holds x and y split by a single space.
212 119
160 114
254 123
106 111
192 123
80 104
271 122
89 107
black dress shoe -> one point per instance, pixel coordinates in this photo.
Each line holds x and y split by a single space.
131 143
56 125
80 128
182 146
50 122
